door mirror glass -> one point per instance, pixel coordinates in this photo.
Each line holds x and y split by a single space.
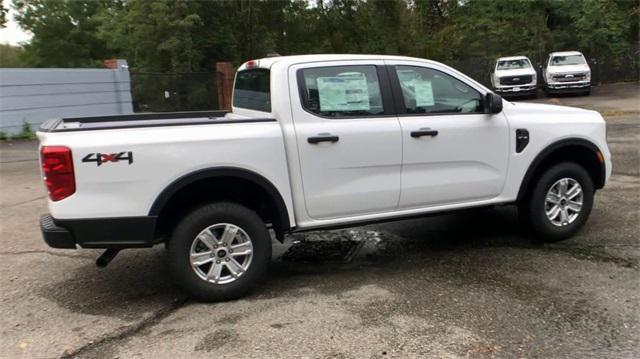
493 103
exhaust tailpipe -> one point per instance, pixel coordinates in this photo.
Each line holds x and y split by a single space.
106 257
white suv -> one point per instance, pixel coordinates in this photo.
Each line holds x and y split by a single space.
567 72
514 76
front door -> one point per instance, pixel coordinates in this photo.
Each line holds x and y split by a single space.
453 152
349 141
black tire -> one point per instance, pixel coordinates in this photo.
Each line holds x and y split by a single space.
533 208
194 223
587 92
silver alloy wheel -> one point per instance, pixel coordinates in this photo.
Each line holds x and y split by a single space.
564 202
221 253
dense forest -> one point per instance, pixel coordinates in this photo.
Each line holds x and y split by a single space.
189 36
172 45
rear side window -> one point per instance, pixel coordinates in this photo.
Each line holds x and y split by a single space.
341 91
252 90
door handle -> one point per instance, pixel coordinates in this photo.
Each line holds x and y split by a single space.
424 132
323 137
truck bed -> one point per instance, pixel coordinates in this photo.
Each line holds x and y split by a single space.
143 120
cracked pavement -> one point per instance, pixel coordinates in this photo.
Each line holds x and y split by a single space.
469 284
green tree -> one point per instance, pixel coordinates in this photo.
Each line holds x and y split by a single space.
190 36
4 12
602 28
161 35
10 56
64 32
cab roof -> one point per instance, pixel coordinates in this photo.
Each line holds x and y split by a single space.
267 62
509 58
565 53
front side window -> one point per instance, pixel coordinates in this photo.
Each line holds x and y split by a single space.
252 90
513 64
340 91
430 91
567 60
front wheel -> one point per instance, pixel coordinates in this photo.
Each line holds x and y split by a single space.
219 251
560 202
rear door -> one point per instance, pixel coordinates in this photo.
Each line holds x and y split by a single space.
348 138
453 152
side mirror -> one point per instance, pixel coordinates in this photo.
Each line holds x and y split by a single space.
493 103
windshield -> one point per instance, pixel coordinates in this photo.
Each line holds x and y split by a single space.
567 60
513 64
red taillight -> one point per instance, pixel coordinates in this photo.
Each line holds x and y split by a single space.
252 64
57 168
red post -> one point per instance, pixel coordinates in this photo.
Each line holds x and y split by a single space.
224 72
111 64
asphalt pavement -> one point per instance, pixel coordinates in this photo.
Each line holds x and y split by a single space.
470 284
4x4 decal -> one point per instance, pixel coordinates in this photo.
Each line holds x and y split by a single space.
100 158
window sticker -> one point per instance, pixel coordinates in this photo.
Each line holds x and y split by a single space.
422 89
344 92
424 93
407 76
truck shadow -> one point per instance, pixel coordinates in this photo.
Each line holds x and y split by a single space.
479 228
424 243
136 283
138 280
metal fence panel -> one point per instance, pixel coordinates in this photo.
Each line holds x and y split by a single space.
36 95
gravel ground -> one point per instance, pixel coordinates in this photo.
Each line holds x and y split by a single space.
462 285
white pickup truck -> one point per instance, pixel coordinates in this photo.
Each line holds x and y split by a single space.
566 72
313 142
514 76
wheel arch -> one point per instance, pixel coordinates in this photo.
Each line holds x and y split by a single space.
581 151
242 180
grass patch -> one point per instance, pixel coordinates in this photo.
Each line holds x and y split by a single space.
26 133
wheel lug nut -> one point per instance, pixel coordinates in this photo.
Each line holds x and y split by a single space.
218 261
230 250
227 259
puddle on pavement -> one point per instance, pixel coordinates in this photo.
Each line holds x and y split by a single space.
344 246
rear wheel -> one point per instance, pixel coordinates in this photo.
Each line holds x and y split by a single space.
219 251
560 202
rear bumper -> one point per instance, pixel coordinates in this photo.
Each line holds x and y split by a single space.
125 232
54 235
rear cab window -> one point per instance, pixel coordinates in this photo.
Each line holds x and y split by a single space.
252 90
